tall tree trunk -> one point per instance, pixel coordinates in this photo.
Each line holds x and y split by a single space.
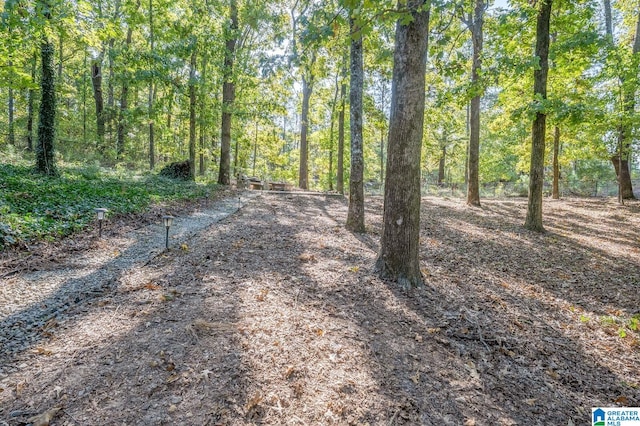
622 156
11 106
473 186
228 95
307 89
32 94
355 215
61 56
340 166
96 80
331 128
45 153
124 101
399 246
202 114
536 173
441 164
555 192
110 110
192 111
152 143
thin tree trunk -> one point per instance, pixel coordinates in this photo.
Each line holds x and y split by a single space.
45 153
202 115
536 173
228 95
124 102
473 186
307 89
555 192
30 106
399 246
110 111
11 105
152 143
255 149
343 95
96 80
441 164
331 128
355 215
622 156
192 111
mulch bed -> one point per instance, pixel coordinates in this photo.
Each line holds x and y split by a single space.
275 317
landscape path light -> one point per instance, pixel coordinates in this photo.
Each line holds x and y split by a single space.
100 212
168 222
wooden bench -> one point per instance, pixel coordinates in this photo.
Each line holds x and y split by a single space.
255 185
277 186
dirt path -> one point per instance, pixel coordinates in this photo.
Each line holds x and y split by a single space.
273 316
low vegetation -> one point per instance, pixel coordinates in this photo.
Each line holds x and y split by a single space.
34 206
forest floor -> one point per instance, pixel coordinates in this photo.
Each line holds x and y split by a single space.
273 315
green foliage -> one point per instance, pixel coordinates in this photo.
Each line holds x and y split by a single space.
35 206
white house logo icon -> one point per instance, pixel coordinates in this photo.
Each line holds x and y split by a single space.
598 417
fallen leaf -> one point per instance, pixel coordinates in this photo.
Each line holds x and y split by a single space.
470 422
151 286
263 293
184 247
530 401
622 400
289 372
354 269
305 257
42 351
320 332
253 402
45 418
418 338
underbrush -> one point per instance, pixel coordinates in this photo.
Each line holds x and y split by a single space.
33 206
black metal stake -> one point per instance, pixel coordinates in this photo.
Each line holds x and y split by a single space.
99 229
166 241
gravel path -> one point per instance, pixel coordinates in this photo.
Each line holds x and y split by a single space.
33 300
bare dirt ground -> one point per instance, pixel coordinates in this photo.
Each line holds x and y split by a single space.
274 316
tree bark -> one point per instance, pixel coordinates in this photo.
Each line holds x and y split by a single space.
441 164
473 186
536 174
331 128
307 89
355 215
32 94
555 192
340 161
202 115
192 111
124 94
622 155
45 150
228 95
11 106
96 80
399 246
152 143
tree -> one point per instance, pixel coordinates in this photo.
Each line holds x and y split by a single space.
355 216
536 173
399 246
45 149
340 166
228 94
475 22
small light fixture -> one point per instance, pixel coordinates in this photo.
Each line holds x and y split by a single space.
100 213
168 221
